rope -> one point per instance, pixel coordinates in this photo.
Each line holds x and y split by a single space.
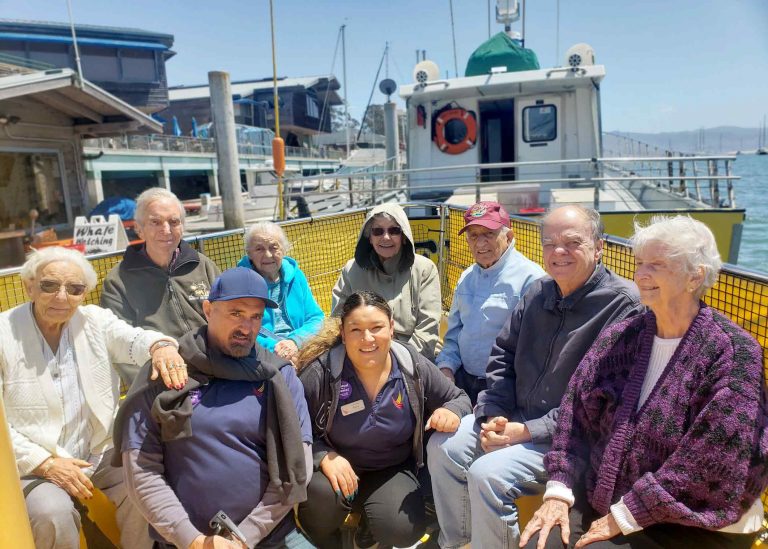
370 97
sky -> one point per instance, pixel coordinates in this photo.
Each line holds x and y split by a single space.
671 64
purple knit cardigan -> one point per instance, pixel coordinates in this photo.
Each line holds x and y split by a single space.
696 453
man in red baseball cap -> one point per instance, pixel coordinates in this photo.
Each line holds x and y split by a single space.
485 295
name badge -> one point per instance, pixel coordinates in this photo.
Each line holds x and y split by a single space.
352 407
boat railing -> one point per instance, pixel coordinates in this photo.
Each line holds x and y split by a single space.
697 179
195 145
682 175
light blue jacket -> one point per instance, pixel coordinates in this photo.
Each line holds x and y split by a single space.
300 309
482 302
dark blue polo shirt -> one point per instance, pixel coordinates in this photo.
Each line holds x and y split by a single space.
373 435
223 465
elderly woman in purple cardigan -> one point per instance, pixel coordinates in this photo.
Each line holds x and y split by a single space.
662 439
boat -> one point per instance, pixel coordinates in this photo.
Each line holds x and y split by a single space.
762 145
532 139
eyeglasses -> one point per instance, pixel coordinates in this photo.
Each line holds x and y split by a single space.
53 287
391 231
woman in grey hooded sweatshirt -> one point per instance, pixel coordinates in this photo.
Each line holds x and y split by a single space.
386 262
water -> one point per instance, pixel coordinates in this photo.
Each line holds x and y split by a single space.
752 194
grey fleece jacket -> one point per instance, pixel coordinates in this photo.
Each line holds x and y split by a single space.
427 389
543 342
412 289
167 300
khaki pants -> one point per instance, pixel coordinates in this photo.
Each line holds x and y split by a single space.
56 523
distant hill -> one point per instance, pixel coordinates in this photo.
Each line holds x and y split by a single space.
722 139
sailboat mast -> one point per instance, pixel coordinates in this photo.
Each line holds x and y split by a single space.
346 93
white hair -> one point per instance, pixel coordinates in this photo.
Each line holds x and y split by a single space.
686 241
151 195
266 227
38 259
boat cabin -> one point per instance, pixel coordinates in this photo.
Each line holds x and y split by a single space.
527 116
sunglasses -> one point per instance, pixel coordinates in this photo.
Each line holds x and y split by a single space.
53 287
391 231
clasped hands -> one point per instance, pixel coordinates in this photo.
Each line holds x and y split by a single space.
498 432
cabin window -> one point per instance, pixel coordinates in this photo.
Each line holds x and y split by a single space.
539 123
138 65
312 110
30 180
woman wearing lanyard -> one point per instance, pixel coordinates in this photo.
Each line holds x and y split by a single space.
371 399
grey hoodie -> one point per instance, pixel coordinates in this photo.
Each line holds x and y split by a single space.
412 289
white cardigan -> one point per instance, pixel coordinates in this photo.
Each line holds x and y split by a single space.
32 406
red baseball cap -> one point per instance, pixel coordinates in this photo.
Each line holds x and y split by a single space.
491 215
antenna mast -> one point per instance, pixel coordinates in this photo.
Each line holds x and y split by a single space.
74 42
346 93
453 35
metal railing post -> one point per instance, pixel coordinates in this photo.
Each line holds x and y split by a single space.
442 250
351 195
696 181
729 184
478 174
594 170
373 190
670 171
682 188
714 189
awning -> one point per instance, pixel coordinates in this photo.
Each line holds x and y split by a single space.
93 110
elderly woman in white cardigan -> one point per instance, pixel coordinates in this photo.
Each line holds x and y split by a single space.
61 392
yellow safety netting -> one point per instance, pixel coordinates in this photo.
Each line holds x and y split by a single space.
324 244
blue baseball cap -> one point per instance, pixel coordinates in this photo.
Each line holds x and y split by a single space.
239 283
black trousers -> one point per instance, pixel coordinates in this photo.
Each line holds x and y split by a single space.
659 536
390 501
472 385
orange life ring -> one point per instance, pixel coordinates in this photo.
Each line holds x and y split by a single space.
462 131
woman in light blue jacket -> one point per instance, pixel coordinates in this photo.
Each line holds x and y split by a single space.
298 317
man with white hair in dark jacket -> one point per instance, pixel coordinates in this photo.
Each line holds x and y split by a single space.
497 455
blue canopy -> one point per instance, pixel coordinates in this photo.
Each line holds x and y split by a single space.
176 127
120 205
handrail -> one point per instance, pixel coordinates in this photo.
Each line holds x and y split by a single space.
182 144
534 163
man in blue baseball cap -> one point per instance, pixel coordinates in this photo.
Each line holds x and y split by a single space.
235 439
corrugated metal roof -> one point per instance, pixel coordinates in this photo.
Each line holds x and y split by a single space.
180 93
95 31
29 37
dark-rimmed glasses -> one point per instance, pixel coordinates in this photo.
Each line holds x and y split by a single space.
391 231
53 287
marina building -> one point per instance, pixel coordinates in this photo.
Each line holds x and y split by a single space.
305 106
127 63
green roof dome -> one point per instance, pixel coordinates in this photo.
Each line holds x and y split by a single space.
501 51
